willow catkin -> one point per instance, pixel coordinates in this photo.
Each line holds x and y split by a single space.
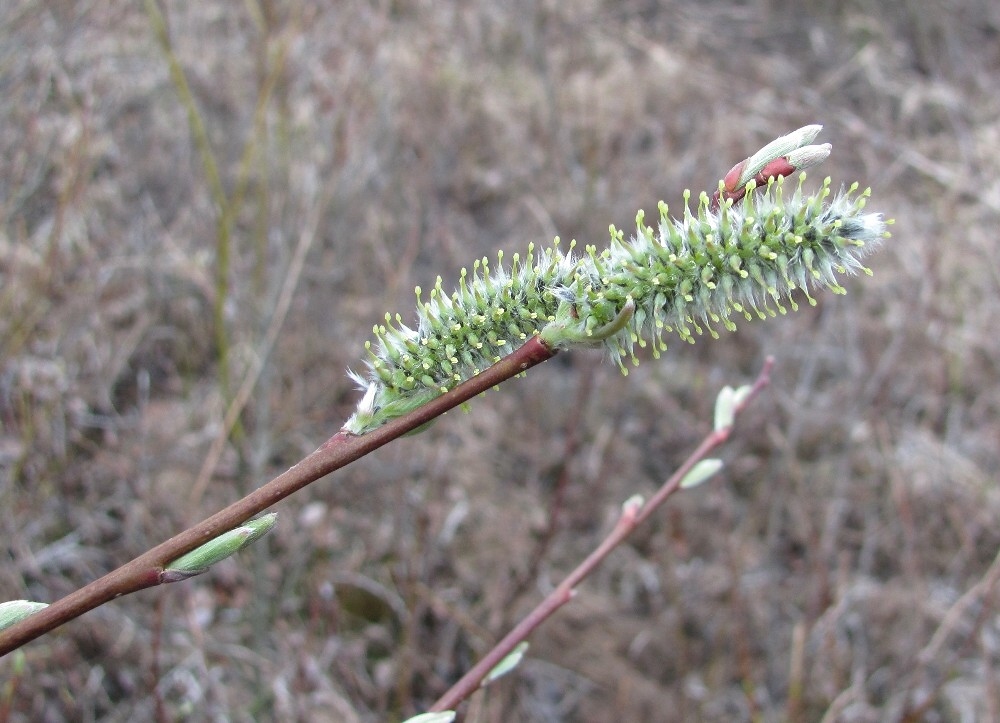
686 277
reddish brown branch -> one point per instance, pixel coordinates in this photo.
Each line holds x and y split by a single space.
633 515
341 449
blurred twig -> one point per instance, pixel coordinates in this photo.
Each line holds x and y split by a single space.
227 206
563 476
982 593
242 396
634 513
222 202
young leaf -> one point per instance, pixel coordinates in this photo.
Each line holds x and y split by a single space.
507 664
16 610
701 472
446 716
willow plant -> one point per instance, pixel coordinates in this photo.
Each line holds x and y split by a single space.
687 276
735 254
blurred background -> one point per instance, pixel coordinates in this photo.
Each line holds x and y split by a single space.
215 201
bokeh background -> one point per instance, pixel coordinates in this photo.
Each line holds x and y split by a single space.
199 197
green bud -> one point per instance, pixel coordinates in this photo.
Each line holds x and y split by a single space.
701 472
228 543
633 504
446 716
506 665
16 610
725 408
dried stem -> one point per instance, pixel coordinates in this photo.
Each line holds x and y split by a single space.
632 516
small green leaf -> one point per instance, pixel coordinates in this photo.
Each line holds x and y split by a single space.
633 504
17 610
776 149
446 716
741 394
260 526
725 408
228 543
507 664
701 472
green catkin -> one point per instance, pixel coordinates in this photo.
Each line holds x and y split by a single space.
688 277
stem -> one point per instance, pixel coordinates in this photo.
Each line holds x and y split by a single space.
224 207
632 516
338 451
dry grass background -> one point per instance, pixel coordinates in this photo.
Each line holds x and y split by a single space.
841 568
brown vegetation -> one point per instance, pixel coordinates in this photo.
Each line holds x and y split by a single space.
843 566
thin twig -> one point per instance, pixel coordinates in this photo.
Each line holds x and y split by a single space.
633 515
211 167
981 593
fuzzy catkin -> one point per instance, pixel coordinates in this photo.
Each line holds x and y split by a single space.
689 276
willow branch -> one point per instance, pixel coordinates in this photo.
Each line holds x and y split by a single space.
634 513
338 451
